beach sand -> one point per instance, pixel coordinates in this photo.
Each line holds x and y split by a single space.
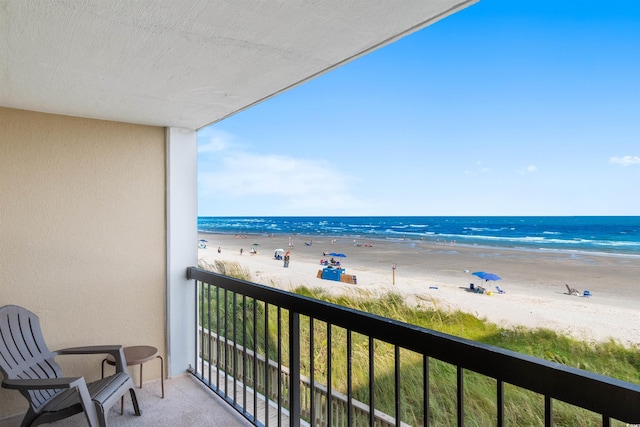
433 274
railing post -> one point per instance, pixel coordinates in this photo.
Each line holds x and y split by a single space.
294 369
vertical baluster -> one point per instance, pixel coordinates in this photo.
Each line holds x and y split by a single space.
606 421
199 332
312 412
500 400
372 400
219 335
425 391
460 392
279 375
267 391
210 333
244 353
329 392
396 358
255 360
349 372
226 344
294 369
200 297
234 354
548 412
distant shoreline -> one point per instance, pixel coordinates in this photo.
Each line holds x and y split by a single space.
432 242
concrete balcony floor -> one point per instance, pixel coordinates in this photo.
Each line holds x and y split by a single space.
187 403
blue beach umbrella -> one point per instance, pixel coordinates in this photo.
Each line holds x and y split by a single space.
490 276
480 274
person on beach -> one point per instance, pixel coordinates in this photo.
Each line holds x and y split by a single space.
241 250
286 259
219 249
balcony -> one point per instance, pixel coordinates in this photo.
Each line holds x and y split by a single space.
245 374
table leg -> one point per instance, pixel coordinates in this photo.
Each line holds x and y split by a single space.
161 374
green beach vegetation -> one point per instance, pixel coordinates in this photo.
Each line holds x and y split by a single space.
521 407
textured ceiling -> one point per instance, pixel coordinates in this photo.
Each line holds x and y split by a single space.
185 63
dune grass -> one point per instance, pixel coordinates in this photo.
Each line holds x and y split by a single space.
227 268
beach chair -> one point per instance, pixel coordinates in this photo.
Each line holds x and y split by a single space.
572 291
30 367
500 291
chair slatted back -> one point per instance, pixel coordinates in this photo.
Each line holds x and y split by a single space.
23 352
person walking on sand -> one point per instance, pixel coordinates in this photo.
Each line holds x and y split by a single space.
241 251
219 249
286 259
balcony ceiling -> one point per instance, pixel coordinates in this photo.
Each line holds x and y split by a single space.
186 63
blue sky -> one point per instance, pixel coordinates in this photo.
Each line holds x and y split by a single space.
528 107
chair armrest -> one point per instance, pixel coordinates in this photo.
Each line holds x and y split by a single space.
42 384
91 349
116 351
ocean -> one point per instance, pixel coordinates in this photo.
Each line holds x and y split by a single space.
595 234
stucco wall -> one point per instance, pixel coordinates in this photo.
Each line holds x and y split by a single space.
82 233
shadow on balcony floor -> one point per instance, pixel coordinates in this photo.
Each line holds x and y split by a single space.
187 403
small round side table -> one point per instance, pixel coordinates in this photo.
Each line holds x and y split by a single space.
137 355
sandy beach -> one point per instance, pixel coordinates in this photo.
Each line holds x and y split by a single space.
436 274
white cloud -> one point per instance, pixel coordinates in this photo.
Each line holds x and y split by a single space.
626 160
212 141
294 185
528 169
245 174
480 168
